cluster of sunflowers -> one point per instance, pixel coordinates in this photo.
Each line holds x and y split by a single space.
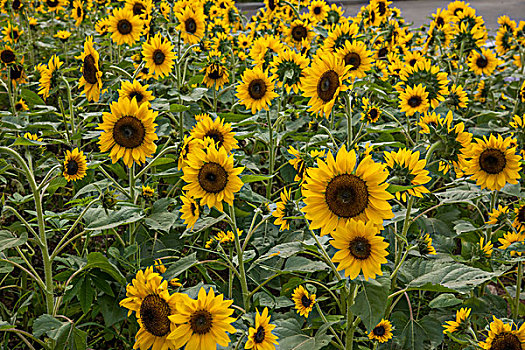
373 168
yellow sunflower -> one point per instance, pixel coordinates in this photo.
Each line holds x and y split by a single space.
493 163
285 208
215 72
323 81
484 62
63 35
299 31
357 57
289 68
371 113
11 33
256 90
55 5
158 55
211 176
382 332
91 78
190 210
220 132
75 165
522 92
188 146
202 323
457 97
360 248
336 192
264 49
485 248
49 76
304 301
502 336
191 24
124 27
510 238
425 245
519 220
462 316
261 337
135 91
498 215
78 12
149 298
7 55
414 99
128 131
409 170
147 191
318 10
21 105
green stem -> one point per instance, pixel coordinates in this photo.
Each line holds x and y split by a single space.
518 291
341 345
240 258
271 156
70 101
348 110
351 325
401 243
431 151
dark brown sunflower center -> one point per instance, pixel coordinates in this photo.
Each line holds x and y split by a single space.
382 52
215 73
379 331
457 11
482 62
190 25
381 8
158 57
492 161
52 3
129 132
305 301
213 178
506 341
414 101
216 135
16 72
360 248
16 5
373 114
89 70
327 85
72 167
14 34
193 209
18 106
317 10
7 56
412 62
521 215
138 9
258 337
201 322
440 21
299 33
124 26
271 4
346 196
137 95
79 12
353 59
154 312
257 89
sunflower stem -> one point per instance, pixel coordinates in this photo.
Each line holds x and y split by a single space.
519 279
401 244
271 156
240 259
70 101
351 325
339 342
348 110
215 97
431 151
10 92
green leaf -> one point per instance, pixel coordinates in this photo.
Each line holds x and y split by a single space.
96 260
22 141
86 294
180 266
284 250
292 338
55 184
46 324
196 79
161 219
176 108
398 188
302 264
116 218
371 301
9 240
254 178
78 340
444 300
413 334
111 311
32 98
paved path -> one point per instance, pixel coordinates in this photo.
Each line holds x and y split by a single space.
416 11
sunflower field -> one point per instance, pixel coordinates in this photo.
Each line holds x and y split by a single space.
178 175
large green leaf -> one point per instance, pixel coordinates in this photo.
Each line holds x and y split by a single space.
161 219
9 240
116 218
292 338
371 301
302 264
45 324
99 261
412 334
180 266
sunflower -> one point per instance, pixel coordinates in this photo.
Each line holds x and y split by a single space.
17 73
147 191
78 12
33 22
504 40
510 238
91 78
189 145
382 332
441 18
485 248
191 24
220 132
63 35
33 137
227 237
301 162
202 323
55 5
211 176
457 97
341 34
21 105
414 99
7 55
360 248
215 72
15 5
261 337
502 336
135 91
425 245
356 57
158 55
141 8
462 316
297 32
49 76
482 92
264 49
323 81
165 9
190 210
149 298
498 215
75 165
304 301
256 90
289 68
12 33
335 192
493 163
406 166
102 26
128 131
285 208
519 220
371 113
484 62
124 27
318 10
